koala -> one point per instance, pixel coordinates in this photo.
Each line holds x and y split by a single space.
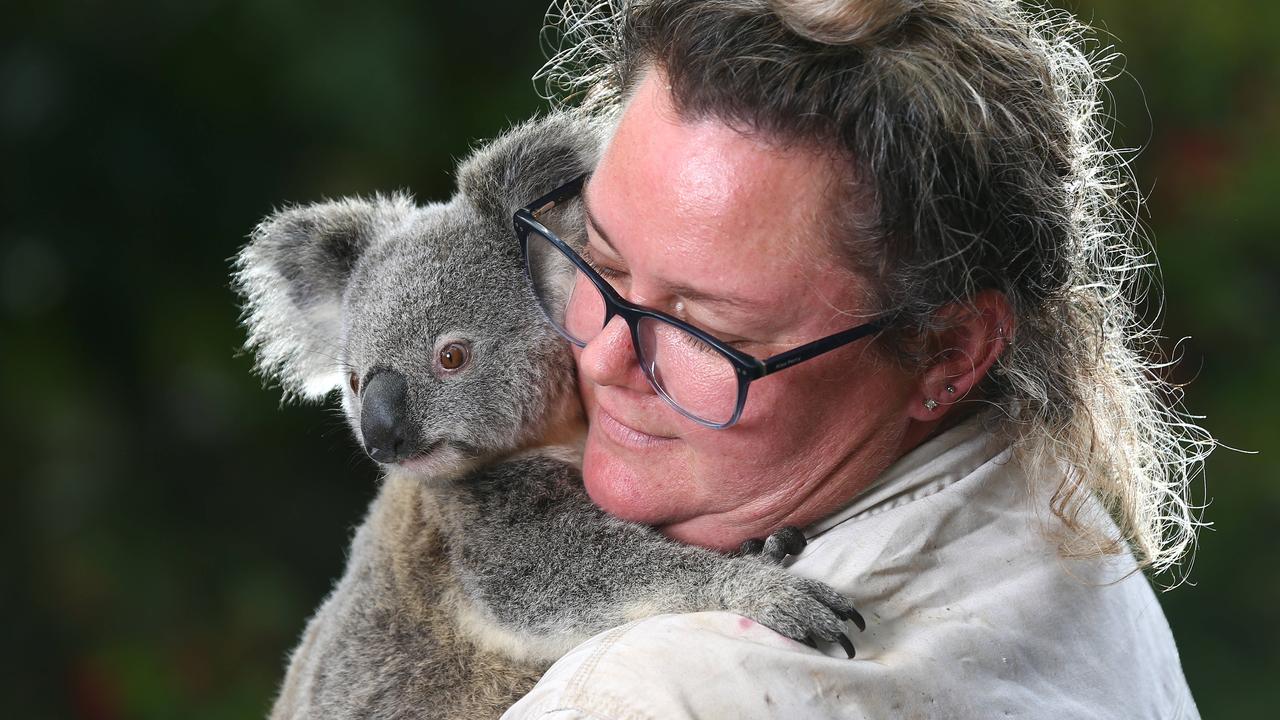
481 560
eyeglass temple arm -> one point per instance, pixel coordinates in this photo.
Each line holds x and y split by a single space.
817 347
548 201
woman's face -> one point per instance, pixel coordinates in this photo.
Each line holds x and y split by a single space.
722 229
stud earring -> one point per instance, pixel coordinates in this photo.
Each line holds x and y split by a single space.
951 389
930 404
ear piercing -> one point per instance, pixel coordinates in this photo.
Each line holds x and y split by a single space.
931 404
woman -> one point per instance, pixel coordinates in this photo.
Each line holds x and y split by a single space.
914 193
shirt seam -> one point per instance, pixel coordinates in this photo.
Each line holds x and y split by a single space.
575 689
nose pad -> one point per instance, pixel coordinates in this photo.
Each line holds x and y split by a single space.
385 425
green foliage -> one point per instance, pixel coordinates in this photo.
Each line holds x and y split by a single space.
174 526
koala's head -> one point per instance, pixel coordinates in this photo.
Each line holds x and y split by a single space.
421 315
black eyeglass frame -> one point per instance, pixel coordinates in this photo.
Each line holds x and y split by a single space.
746 367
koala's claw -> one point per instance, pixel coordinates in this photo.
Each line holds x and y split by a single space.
776 547
784 542
808 611
801 609
846 644
791 541
857 619
841 638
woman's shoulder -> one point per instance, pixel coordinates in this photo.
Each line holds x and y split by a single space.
968 605
929 662
697 665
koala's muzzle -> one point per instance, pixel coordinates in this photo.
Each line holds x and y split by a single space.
388 431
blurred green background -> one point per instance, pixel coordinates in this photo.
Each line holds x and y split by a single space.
171 527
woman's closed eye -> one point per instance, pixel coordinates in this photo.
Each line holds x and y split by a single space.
737 343
617 277
604 270
692 341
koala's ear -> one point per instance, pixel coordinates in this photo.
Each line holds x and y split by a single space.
291 277
530 160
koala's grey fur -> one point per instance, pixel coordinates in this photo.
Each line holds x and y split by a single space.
481 560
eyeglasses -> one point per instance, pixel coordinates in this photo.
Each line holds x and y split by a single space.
703 378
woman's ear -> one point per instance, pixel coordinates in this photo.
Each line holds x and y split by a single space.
976 333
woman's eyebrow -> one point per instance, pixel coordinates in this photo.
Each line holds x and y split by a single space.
595 224
683 291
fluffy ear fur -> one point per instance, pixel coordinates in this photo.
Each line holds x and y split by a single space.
291 278
530 160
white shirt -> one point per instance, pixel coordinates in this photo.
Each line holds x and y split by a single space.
970 611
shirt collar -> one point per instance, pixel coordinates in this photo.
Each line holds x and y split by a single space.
931 466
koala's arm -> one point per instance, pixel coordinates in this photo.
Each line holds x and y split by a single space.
544 565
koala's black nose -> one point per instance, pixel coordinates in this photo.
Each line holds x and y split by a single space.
384 418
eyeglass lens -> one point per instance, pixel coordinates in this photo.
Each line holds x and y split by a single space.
693 376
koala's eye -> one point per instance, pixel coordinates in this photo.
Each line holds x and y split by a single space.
454 356
354 381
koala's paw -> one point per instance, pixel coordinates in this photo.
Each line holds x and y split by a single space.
804 610
786 541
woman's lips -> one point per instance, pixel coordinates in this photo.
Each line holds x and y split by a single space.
625 435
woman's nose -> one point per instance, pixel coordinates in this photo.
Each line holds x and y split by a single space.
610 358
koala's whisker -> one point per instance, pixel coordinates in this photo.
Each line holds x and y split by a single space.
356 458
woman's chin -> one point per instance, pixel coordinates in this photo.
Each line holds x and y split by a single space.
653 493
705 532
615 487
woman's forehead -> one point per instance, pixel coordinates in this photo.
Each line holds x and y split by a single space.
705 169
730 207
